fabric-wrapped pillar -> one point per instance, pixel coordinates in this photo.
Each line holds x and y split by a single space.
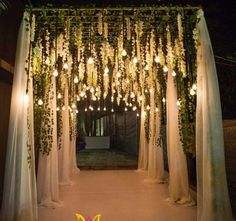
212 192
47 177
19 194
178 173
143 145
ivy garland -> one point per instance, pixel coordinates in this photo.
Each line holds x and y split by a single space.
114 56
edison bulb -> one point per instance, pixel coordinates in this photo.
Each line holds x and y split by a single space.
194 87
146 68
173 73
76 111
165 69
85 109
59 96
104 108
92 90
126 109
40 102
65 66
55 73
73 105
58 108
163 100
90 60
123 53
148 107
157 59
135 60
137 114
156 109
134 108
98 109
112 110
132 95
76 80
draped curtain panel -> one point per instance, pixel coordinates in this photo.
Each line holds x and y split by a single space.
64 151
178 173
20 195
212 192
143 145
155 159
47 176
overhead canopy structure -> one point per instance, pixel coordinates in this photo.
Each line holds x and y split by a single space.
151 60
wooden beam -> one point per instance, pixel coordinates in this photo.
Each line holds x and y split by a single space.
6 66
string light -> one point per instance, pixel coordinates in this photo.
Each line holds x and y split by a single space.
194 87
173 73
178 103
148 107
92 90
58 108
76 80
192 92
132 95
104 108
165 68
78 98
156 110
90 60
112 110
135 60
163 100
76 111
98 109
126 109
123 53
106 70
86 109
65 66
112 99
118 74
134 108
55 73
146 68
40 102
73 106
59 96
137 114
157 59
63 108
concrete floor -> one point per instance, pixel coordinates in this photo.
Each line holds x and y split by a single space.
119 195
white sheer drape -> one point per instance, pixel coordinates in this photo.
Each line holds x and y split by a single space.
143 145
19 196
178 174
155 159
64 152
47 176
213 198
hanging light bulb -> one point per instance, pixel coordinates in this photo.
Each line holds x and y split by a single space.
104 108
112 110
94 98
135 60
78 98
130 104
163 100
76 111
86 109
55 73
134 108
150 90
84 86
59 96
106 70
90 60
58 108
148 107
137 114
40 102
91 108
146 90
165 68
132 95
118 74
73 106
156 109
146 68
65 66
98 109
112 99
173 73
126 109
194 87
123 53
192 92
157 59
63 108
76 80
92 90
178 103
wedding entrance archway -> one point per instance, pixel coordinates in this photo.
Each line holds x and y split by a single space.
153 60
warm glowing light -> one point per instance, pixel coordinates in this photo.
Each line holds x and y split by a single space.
178 103
157 59
130 104
92 90
106 70
76 80
148 107
63 108
134 108
59 96
165 69
173 73
58 108
132 95
194 87
112 110
55 73
40 102
146 68
104 108
76 111
123 53
90 60
118 74
112 99
65 66
137 114
163 100
94 98
73 106
98 109
135 60
78 98
86 109
126 109
192 92
156 109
